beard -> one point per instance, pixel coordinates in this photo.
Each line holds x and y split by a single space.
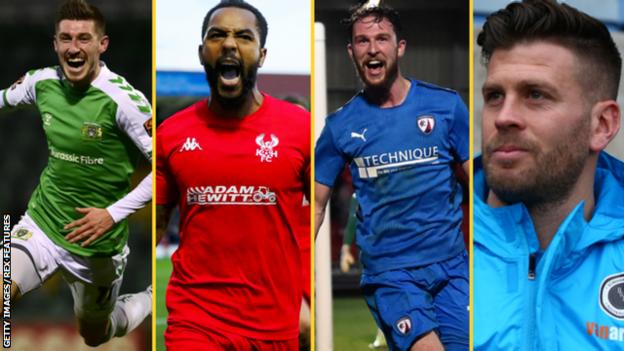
552 177
248 78
392 72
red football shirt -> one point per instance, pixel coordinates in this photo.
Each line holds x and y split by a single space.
304 237
239 185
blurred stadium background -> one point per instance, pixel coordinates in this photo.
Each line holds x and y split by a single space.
180 82
43 320
437 52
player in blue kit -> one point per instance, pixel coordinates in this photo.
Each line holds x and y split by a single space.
401 138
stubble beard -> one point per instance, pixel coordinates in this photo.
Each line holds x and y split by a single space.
553 176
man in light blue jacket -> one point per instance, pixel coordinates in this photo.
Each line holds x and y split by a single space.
549 203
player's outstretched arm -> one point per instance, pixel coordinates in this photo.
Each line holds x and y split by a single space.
321 197
97 221
20 93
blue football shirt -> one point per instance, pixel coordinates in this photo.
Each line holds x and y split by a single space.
401 162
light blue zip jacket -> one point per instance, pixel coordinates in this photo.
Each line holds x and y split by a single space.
571 296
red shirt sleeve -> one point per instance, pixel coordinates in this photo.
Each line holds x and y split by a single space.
166 192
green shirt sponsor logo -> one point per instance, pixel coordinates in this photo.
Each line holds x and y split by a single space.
81 159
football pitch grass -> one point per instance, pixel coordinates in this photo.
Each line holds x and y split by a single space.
163 271
354 327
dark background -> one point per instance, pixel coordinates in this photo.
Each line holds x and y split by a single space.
26 32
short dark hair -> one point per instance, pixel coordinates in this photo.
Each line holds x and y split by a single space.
547 20
81 10
380 12
261 22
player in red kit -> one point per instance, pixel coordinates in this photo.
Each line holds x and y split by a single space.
305 237
238 166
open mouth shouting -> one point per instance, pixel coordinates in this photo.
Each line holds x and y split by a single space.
75 68
374 67
229 73
229 77
76 62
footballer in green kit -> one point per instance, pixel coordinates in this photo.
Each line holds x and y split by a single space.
97 127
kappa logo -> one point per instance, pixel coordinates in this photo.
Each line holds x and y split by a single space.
426 123
404 325
266 151
612 296
359 135
190 145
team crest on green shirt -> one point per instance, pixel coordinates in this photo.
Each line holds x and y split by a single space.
23 234
91 131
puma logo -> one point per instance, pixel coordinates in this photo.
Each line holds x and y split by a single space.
359 135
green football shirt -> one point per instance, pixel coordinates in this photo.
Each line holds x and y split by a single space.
95 138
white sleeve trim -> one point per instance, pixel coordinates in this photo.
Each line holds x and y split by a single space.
132 124
134 112
22 92
133 201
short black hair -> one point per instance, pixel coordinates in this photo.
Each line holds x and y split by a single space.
561 24
261 22
80 10
380 12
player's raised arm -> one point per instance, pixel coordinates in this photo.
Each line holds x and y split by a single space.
21 92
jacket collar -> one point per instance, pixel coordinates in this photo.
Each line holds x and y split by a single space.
574 235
